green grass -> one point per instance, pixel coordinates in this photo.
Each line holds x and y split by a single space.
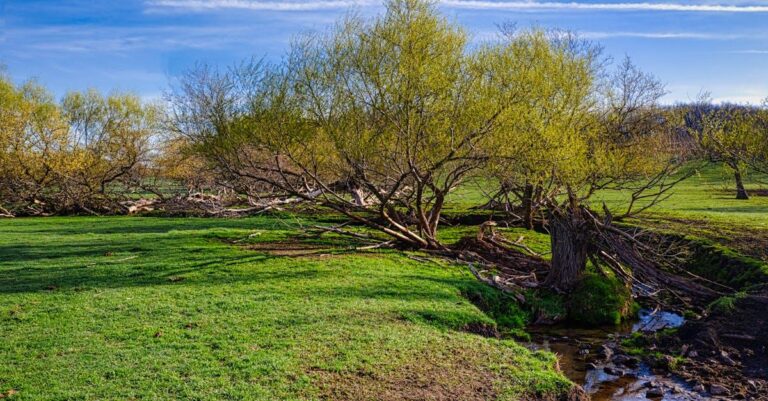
708 196
127 308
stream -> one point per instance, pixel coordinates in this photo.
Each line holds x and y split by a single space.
586 357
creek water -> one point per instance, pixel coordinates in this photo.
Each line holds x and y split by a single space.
604 381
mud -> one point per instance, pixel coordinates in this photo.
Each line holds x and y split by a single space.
726 350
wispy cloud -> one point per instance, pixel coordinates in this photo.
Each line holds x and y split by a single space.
662 35
255 5
630 6
99 39
750 51
316 5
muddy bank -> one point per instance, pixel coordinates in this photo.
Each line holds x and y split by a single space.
726 350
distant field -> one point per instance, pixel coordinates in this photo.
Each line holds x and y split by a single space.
709 194
155 308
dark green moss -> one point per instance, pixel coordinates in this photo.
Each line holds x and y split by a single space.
546 306
501 307
598 300
725 304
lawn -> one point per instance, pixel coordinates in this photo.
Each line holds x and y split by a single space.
121 308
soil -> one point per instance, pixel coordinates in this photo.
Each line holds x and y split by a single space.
726 351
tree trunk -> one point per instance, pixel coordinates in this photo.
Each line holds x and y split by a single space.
528 206
741 192
570 244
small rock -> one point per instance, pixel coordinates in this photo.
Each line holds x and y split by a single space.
717 389
693 354
656 392
699 388
632 362
726 359
620 359
612 371
605 352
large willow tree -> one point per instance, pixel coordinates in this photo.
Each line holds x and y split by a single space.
378 119
585 130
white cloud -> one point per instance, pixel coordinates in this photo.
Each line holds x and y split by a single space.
644 6
95 39
661 35
315 5
750 51
202 5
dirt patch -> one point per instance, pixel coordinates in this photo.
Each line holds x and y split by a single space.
456 379
482 329
455 375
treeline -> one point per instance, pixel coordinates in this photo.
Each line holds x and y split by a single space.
380 120
88 153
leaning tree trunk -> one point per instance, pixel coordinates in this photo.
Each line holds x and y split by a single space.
741 192
569 236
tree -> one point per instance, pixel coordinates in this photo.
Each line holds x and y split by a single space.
379 118
80 156
585 131
33 139
729 134
109 142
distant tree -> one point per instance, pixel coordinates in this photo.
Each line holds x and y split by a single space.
109 144
729 134
33 140
80 156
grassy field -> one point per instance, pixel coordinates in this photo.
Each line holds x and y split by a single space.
121 308
127 308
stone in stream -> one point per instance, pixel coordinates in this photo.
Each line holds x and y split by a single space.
716 389
613 371
656 392
605 352
727 359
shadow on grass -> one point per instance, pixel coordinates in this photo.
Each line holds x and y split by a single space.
733 209
130 225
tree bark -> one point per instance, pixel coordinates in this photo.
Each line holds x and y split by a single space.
528 206
741 192
569 237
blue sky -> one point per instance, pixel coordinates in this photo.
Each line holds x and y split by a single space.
139 45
